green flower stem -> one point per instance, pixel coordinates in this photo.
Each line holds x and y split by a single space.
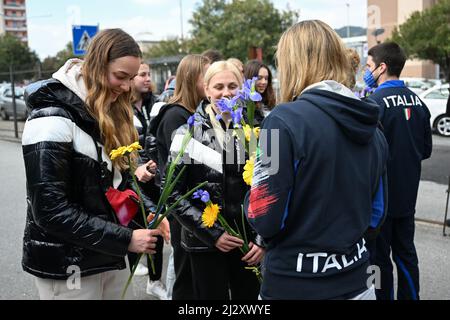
170 170
169 189
257 272
187 195
243 225
244 249
141 204
131 276
251 113
133 270
138 189
241 137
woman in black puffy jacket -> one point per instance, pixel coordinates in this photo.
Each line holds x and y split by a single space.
218 267
73 242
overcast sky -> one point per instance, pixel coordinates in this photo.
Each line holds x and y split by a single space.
49 21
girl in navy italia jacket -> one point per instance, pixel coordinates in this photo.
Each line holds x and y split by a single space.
318 182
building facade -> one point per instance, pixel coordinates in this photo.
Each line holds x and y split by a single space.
383 16
13 19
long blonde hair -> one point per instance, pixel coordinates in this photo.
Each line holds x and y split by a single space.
189 70
115 120
310 52
355 61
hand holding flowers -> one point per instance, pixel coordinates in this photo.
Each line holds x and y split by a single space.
231 239
157 219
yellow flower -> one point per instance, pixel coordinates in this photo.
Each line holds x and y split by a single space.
117 153
210 215
248 171
133 147
248 131
121 151
256 131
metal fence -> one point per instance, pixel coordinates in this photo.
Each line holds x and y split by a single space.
17 78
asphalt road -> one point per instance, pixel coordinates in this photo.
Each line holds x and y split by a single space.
433 249
437 168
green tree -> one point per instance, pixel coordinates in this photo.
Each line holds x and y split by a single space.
16 54
51 64
426 35
169 47
234 27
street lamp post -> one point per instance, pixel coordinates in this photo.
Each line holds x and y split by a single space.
181 19
348 19
13 95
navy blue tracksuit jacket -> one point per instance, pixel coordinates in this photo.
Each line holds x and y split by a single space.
317 180
406 122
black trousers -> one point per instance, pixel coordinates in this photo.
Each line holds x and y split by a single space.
397 235
222 276
183 288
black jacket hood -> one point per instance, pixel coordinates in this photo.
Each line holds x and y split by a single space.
51 93
358 119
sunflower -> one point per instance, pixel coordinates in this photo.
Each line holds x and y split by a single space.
210 215
248 171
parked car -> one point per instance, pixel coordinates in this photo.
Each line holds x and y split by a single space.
436 101
418 85
6 103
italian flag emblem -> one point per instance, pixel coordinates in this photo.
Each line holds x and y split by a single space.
407 113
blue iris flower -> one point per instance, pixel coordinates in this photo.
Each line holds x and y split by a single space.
249 92
193 120
202 195
237 117
226 104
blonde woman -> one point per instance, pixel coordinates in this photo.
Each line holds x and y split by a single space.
73 244
318 181
218 267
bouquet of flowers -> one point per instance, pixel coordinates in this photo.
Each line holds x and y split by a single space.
246 132
161 210
211 215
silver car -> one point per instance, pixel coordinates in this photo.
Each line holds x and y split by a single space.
6 103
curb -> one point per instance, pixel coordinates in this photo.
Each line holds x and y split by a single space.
11 139
430 222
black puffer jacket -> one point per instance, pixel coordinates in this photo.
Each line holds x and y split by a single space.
140 123
69 220
225 185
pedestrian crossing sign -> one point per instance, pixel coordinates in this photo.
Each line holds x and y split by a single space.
82 36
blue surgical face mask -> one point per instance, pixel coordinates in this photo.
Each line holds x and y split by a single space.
369 78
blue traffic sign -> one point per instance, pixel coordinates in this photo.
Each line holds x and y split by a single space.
82 36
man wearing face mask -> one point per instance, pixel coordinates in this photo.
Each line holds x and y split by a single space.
406 122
